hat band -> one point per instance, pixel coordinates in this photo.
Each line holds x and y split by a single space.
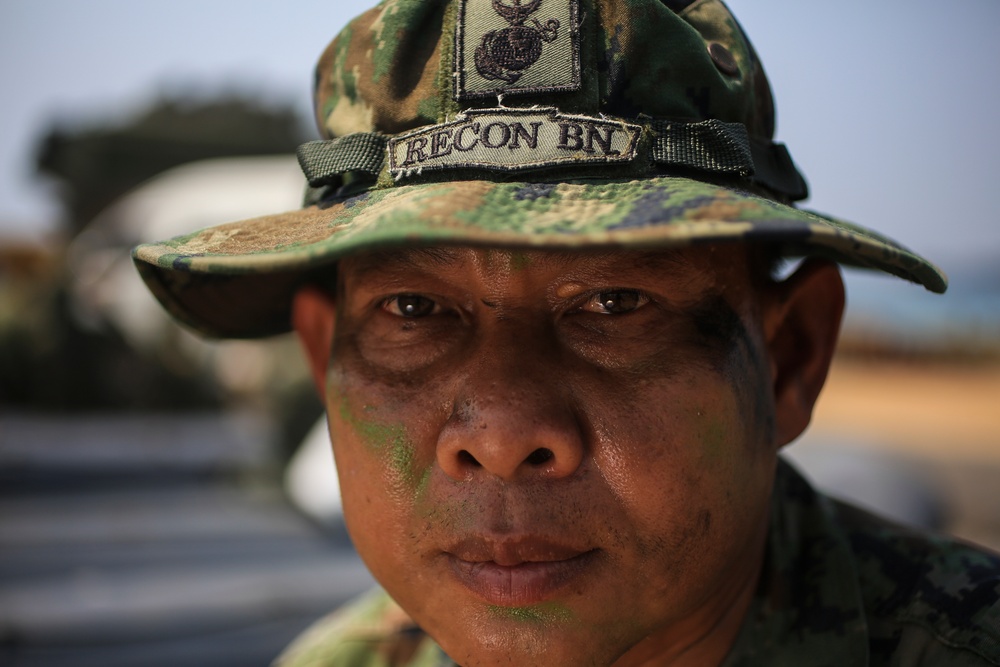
510 140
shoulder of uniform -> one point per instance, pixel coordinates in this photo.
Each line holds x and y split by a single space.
369 631
918 585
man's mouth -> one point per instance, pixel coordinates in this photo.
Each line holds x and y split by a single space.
513 572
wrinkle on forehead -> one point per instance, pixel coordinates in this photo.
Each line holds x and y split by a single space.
408 258
515 260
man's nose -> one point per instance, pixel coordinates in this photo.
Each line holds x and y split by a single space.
514 418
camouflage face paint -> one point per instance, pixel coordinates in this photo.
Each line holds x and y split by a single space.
734 354
714 436
519 261
452 515
545 613
389 442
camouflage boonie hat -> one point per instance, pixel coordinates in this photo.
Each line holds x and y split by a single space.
520 124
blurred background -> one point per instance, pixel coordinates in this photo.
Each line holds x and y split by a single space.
156 503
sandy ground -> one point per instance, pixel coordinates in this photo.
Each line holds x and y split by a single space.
932 411
945 418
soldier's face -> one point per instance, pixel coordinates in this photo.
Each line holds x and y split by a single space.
553 458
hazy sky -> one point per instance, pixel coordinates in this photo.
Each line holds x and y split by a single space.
887 106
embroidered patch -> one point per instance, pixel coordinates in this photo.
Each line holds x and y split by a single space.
513 140
516 46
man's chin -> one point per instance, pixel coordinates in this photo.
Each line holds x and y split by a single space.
522 643
553 634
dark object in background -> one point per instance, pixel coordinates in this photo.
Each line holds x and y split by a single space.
49 358
95 166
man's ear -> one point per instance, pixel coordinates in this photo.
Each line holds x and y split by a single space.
314 315
801 326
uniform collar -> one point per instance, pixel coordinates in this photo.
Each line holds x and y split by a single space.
808 609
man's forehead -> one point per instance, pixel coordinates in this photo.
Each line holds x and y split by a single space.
430 259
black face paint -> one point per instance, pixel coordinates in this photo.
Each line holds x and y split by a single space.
733 353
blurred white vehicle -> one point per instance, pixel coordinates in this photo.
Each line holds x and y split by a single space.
107 290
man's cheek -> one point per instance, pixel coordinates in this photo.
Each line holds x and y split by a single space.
677 439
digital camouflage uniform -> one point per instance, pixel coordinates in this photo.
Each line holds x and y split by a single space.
583 124
839 588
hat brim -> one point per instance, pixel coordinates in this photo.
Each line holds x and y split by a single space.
237 280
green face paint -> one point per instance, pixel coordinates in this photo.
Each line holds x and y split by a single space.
452 515
519 261
423 484
506 261
713 438
389 441
544 613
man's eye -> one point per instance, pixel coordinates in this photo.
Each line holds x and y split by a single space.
616 302
410 305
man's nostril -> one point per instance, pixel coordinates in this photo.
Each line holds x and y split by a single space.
468 459
540 456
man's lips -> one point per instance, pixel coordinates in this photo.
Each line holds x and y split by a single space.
517 572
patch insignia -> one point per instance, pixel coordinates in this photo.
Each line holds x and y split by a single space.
516 46
512 140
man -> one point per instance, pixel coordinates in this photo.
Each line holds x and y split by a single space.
535 281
